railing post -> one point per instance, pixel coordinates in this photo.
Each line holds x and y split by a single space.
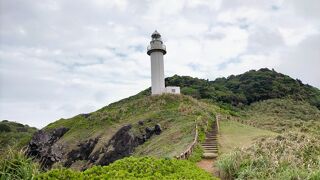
217 122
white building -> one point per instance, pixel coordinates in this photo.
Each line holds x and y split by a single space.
156 50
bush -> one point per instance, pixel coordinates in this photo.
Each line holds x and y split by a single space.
4 128
134 168
15 165
290 156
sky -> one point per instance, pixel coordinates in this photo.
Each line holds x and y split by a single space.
60 58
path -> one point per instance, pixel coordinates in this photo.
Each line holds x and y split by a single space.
210 148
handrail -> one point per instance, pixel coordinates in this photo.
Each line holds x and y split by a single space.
187 153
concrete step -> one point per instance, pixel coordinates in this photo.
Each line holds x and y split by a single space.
209 143
209 147
211 139
211 151
210 155
213 148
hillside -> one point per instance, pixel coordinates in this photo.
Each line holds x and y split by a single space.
286 156
236 135
14 134
246 88
161 126
282 115
265 104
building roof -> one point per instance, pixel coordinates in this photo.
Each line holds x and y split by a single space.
155 34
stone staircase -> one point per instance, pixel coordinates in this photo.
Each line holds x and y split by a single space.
210 145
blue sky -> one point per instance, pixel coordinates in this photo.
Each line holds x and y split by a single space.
59 58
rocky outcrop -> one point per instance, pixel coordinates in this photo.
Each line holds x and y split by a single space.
123 143
43 148
82 152
120 145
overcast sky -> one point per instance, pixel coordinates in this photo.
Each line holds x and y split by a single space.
59 58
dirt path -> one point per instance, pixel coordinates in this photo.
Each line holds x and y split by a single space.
207 165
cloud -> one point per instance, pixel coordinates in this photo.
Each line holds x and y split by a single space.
60 58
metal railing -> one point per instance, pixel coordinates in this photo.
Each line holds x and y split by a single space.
156 46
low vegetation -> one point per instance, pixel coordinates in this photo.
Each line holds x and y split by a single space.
246 88
14 134
283 115
236 135
15 165
134 168
289 156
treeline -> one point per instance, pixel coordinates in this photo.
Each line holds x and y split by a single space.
247 88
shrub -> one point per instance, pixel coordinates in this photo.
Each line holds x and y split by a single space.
134 168
290 156
196 155
4 128
15 165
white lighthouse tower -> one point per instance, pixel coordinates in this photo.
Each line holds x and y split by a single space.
156 50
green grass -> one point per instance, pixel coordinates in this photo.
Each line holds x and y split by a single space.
15 165
236 135
175 113
14 135
288 156
284 115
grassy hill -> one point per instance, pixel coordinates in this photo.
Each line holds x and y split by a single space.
282 115
266 103
176 114
246 88
14 134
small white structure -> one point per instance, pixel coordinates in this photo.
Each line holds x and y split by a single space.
173 89
156 50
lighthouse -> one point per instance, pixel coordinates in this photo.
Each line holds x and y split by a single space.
156 50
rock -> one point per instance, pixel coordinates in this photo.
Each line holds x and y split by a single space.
42 147
149 132
157 129
140 123
82 152
120 145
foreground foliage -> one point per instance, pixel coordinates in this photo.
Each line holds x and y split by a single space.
15 165
290 156
134 168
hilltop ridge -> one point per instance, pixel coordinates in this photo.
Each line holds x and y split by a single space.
249 87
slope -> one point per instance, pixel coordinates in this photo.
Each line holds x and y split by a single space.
236 135
281 115
99 133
